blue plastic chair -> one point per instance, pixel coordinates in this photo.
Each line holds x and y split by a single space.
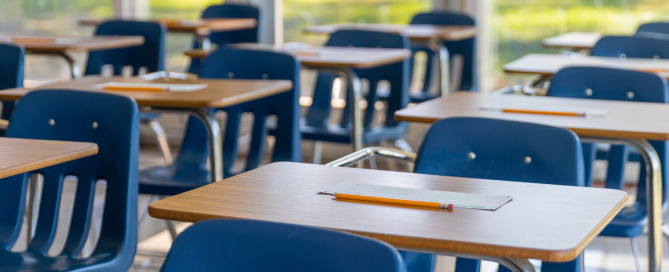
150 55
398 74
631 47
655 27
227 37
616 84
11 68
496 149
75 114
465 48
189 169
254 246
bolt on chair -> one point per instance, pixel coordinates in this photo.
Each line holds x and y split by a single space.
110 121
12 58
490 149
464 48
149 56
254 246
227 37
621 85
316 124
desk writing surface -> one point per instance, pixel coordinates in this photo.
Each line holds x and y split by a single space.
332 56
211 25
414 32
218 93
624 119
548 222
579 40
548 64
71 44
18 156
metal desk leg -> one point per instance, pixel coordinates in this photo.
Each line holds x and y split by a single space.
74 67
654 187
205 42
356 111
215 142
444 67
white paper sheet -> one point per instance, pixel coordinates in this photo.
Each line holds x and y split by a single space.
524 106
172 87
459 200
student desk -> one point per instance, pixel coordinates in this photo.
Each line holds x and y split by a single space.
626 123
522 229
578 41
19 156
341 60
202 28
64 46
431 34
218 93
545 65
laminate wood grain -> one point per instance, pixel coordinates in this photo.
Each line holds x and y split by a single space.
547 222
332 56
72 44
413 32
200 27
19 156
549 64
624 119
218 93
576 40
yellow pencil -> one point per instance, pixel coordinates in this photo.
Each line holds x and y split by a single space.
561 113
394 201
136 89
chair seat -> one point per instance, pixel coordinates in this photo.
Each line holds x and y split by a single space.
28 261
336 133
172 180
630 222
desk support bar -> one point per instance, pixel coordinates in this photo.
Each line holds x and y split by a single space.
368 152
75 72
444 66
654 187
514 264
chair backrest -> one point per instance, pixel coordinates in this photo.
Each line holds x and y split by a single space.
250 64
250 246
466 48
12 58
11 66
110 121
655 27
615 84
228 37
397 74
150 55
502 150
631 47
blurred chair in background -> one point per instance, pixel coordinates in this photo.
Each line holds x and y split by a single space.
465 48
316 124
12 58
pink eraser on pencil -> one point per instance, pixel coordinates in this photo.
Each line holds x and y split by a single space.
450 206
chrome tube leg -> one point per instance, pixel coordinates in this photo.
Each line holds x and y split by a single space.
444 68
215 142
635 250
654 187
161 137
513 264
317 152
205 42
32 193
356 111
74 67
